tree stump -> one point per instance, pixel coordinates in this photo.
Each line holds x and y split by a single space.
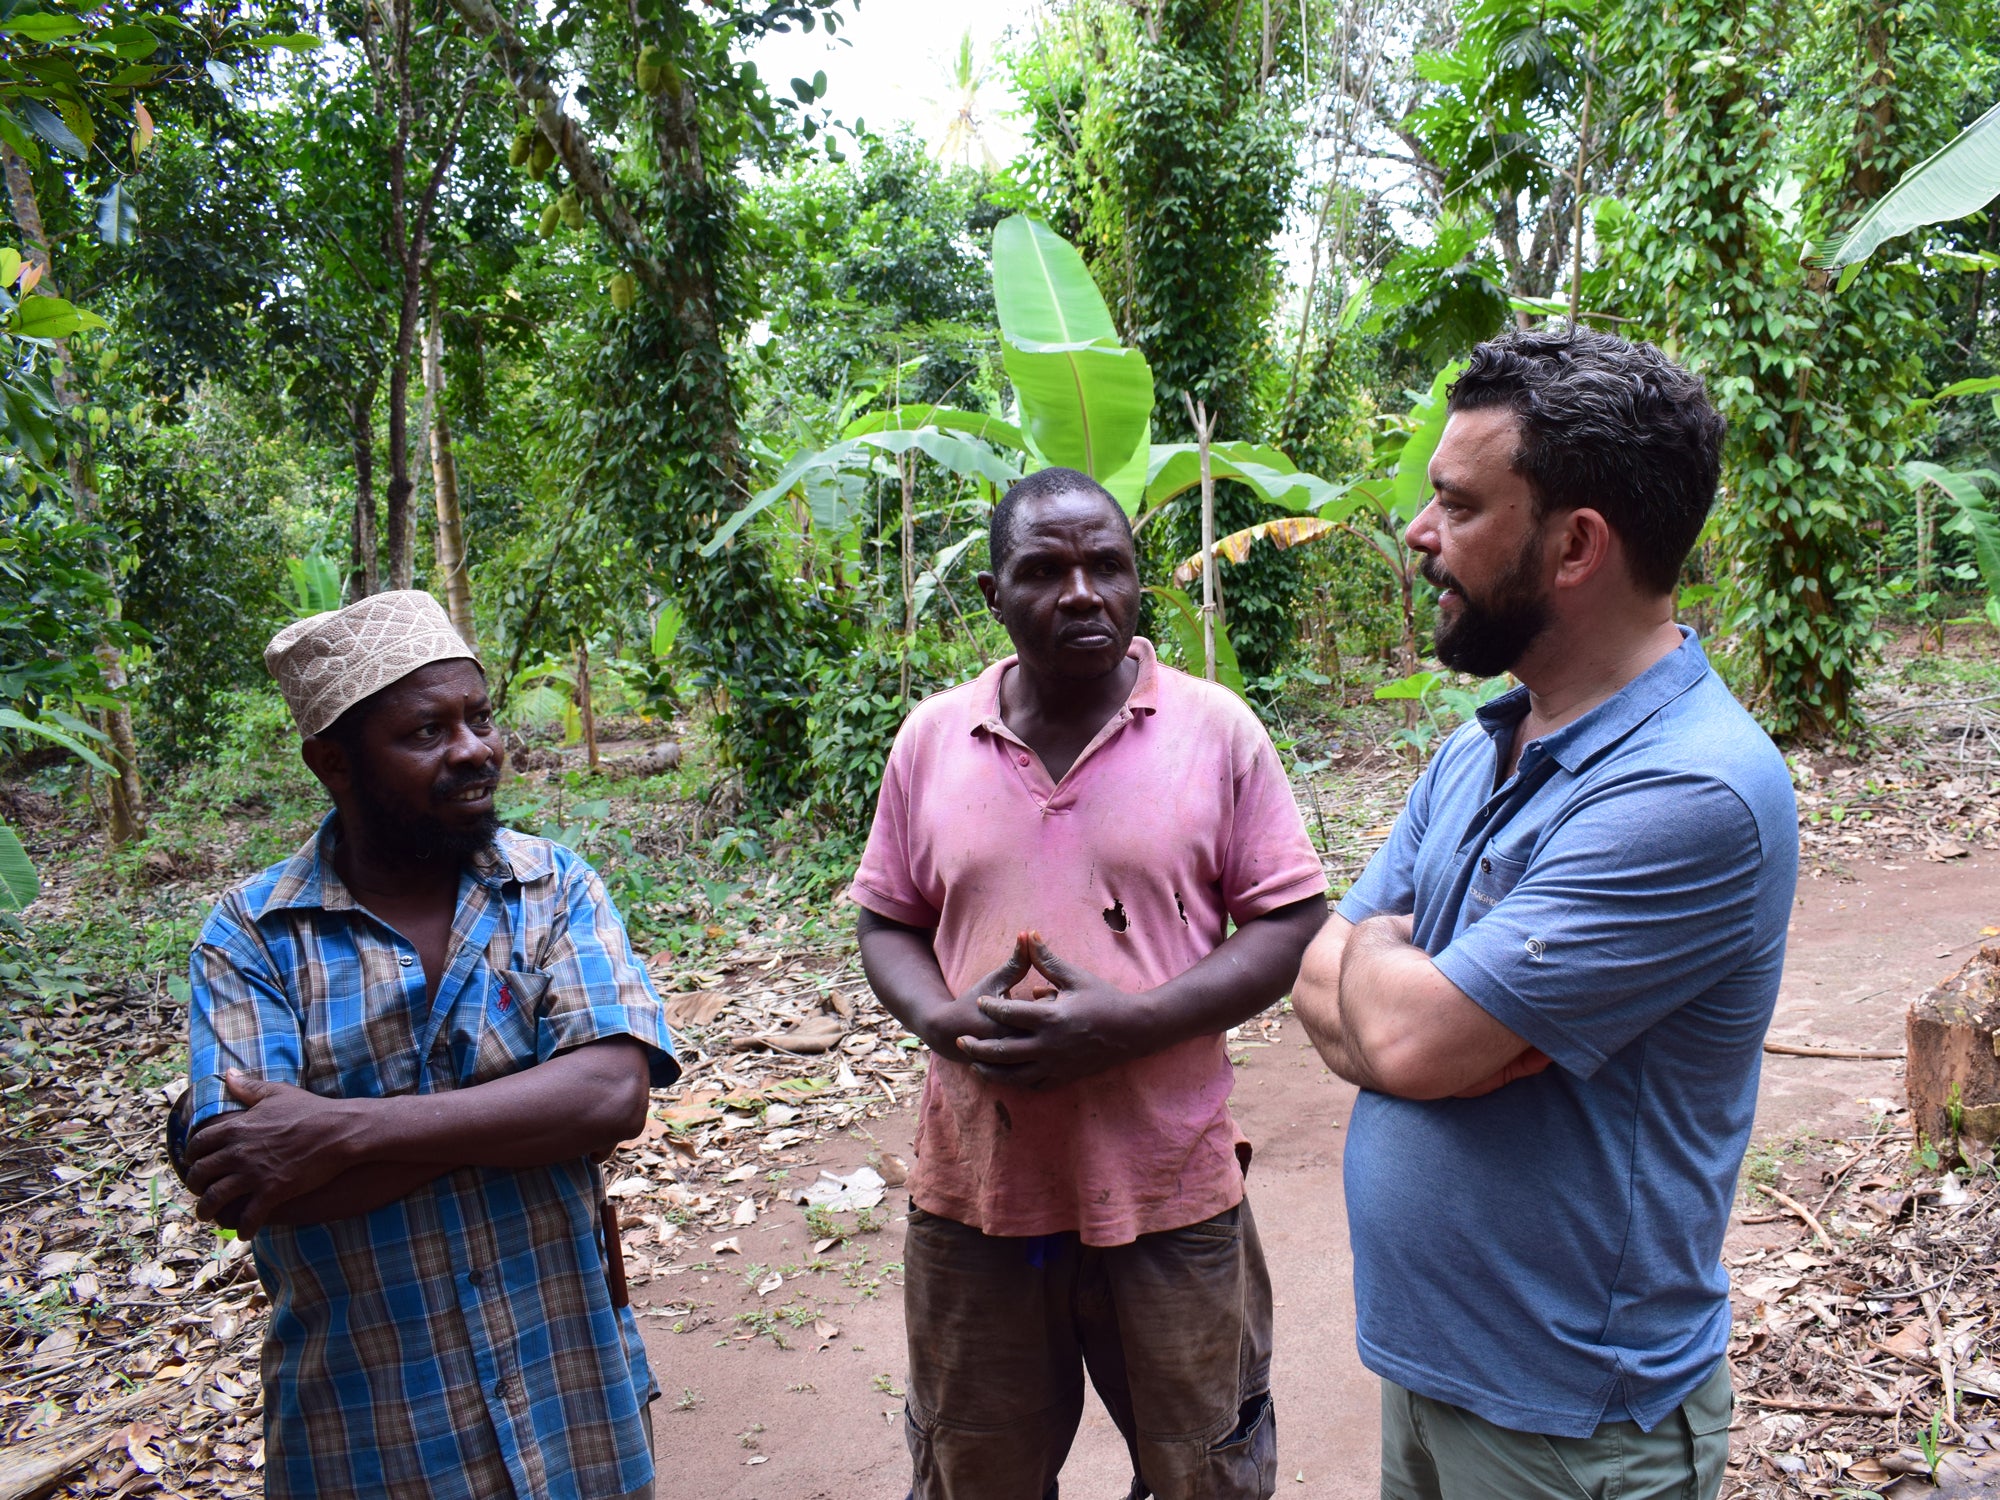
1953 1069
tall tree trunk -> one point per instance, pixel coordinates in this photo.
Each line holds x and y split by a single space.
127 819
583 708
444 480
409 248
363 576
676 328
401 520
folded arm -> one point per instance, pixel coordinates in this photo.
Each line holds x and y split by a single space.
1383 1017
293 1156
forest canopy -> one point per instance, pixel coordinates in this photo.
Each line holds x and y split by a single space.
689 393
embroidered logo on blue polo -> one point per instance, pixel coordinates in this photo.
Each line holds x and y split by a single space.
1536 948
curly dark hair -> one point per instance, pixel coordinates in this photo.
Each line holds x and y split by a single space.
1611 425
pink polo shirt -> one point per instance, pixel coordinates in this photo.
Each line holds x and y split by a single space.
1175 817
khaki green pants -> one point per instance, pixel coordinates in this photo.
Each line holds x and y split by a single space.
1432 1451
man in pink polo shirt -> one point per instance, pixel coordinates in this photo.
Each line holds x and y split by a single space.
1058 850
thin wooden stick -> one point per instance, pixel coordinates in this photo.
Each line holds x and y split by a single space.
1857 1054
1941 1347
1824 1408
1203 430
1798 1208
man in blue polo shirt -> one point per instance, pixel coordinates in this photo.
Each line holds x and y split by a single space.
1552 983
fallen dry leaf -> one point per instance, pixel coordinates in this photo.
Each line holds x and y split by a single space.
812 1035
694 1008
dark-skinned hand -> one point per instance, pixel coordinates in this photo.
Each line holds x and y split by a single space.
287 1142
1076 1025
966 1019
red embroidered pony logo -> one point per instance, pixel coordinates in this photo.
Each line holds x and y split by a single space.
506 996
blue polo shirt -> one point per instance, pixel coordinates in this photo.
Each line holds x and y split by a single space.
1550 1256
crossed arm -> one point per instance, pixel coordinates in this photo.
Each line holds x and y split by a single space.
295 1157
1383 1017
1078 1024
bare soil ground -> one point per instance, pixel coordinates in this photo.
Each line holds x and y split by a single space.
746 1419
129 1332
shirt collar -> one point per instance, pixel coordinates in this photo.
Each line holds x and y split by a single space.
1143 699
308 880
1584 739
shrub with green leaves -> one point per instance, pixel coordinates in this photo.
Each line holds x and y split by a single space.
853 710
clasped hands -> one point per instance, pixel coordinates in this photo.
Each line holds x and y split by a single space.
1073 1025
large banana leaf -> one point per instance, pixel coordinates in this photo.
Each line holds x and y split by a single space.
18 882
1411 489
1976 517
960 455
1961 179
1042 290
1086 401
976 424
1175 468
1086 407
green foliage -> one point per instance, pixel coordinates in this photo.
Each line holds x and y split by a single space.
1164 151
18 882
316 582
1816 383
1440 299
1086 399
1499 125
63 74
1973 518
211 509
53 602
855 705
1960 179
65 731
877 277
1259 595
1183 618
1445 705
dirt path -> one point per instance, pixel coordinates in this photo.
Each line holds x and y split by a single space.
821 1420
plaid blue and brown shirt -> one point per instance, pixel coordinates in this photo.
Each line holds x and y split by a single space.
461 1341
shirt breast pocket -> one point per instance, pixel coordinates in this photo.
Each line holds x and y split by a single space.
508 1026
1492 878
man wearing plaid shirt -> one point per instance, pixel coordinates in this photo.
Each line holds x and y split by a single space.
408 1042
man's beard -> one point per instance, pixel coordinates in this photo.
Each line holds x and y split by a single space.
1488 636
403 835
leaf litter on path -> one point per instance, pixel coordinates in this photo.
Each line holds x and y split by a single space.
134 1328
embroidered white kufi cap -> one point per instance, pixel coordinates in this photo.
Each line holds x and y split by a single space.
327 663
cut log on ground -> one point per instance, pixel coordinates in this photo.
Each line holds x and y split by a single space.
1954 1062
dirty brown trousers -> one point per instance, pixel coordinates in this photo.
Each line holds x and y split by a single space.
1174 1330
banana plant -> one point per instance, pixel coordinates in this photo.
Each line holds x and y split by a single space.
19 884
1974 516
316 582
1086 400
1958 180
1083 400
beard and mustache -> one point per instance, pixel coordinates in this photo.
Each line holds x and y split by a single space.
1488 635
404 835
